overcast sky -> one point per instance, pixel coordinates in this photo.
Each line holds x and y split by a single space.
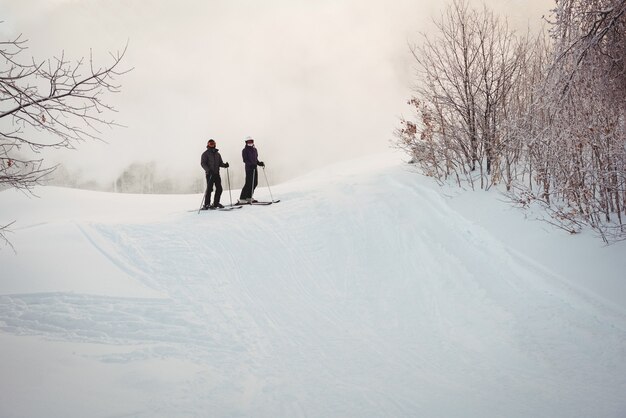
314 82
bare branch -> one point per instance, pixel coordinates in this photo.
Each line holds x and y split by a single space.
52 103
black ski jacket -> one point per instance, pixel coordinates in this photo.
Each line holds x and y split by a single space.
211 161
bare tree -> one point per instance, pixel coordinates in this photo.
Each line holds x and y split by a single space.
51 103
547 116
466 73
583 146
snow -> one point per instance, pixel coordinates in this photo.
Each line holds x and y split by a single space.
368 291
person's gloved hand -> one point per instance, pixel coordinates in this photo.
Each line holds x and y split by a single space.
226 165
261 164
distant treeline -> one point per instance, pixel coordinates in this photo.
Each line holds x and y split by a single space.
136 178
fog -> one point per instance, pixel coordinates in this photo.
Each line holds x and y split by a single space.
313 82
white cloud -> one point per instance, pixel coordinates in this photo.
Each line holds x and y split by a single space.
314 82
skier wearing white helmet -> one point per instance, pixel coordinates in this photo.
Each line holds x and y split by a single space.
250 157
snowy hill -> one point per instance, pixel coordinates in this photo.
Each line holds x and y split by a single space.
365 292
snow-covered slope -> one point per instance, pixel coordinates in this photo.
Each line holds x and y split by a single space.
365 292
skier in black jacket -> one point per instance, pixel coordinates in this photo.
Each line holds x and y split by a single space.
211 161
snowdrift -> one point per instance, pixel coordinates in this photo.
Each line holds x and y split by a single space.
365 292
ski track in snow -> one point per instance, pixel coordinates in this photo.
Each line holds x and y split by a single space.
287 314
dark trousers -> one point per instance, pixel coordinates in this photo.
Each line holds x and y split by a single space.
211 180
252 179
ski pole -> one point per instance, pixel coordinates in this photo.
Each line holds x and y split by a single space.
229 193
252 185
202 202
204 195
268 184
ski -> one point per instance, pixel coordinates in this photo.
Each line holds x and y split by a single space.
265 203
258 202
226 208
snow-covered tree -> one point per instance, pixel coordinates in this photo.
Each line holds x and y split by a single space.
466 73
545 116
582 148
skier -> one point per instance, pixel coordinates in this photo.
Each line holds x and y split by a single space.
251 159
211 161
